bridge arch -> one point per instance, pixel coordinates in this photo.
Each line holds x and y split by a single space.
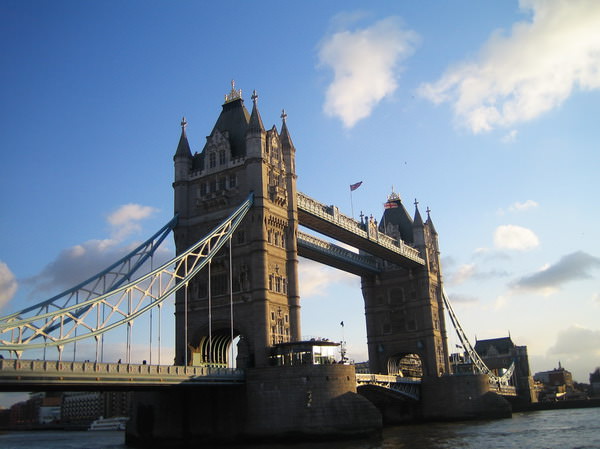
407 365
221 347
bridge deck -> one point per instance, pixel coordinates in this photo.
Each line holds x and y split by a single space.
335 256
26 375
329 221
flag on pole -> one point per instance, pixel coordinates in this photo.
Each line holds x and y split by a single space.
353 187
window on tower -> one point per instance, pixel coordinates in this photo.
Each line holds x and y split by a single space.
221 157
212 160
232 181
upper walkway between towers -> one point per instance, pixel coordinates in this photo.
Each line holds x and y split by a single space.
329 221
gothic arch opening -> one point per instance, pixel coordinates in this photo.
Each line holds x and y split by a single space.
219 350
407 365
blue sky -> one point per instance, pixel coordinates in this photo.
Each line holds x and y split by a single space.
486 112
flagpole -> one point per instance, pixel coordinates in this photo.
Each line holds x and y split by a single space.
352 188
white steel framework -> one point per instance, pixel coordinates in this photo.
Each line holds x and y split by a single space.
71 321
473 355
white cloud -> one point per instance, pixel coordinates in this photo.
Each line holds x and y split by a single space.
316 278
521 207
365 64
78 263
464 273
578 350
522 74
515 238
124 221
8 284
457 298
510 137
574 266
501 302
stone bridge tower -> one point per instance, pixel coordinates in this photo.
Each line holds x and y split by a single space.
239 157
406 330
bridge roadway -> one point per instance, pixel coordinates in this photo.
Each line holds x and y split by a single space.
28 375
32 375
328 221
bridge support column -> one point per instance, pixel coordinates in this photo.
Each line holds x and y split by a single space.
305 402
276 403
186 415
461 397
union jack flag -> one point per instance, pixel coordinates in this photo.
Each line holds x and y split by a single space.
353 187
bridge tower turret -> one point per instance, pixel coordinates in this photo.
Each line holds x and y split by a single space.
406 330
183 165
240 156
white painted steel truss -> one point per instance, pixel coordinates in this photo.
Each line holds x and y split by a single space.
481 367
61 323
108 279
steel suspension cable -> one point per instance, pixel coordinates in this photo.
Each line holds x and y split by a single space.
231 300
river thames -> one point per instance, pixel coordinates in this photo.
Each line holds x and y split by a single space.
564 429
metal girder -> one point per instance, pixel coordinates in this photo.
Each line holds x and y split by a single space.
120 305
335 256
99 284
473 355
329 221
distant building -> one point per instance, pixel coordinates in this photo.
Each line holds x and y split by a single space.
557 377
498 354
82 407
557 384
116 403
595 382
49 411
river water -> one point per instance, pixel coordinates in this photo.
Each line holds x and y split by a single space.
556 429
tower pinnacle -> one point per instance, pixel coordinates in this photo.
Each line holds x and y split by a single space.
233 94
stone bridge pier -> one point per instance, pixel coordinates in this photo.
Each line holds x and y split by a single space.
284 403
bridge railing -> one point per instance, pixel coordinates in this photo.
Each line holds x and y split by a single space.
337 251
44 367
369 232
385 378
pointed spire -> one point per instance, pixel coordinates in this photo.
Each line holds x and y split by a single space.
183 148
418 221
284 136
255 124
430 222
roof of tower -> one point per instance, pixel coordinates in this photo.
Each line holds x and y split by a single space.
234 119
396 214
284 136
256 123
183 147
503 345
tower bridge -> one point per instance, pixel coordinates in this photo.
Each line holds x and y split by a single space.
236 287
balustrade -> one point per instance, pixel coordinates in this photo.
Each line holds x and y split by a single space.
332 215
